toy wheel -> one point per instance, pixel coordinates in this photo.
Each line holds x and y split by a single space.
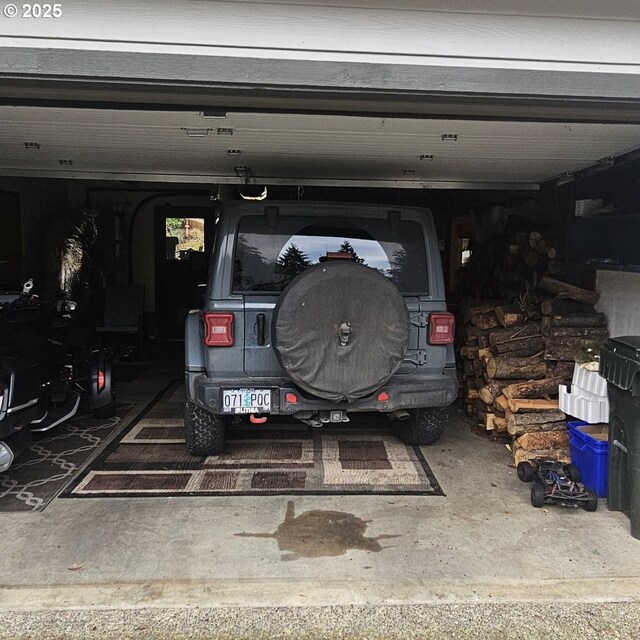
572 472
592 503
526 472
537 495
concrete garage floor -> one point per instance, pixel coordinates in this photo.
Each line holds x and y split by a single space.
478 563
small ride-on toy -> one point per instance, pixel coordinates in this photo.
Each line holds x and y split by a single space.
556 483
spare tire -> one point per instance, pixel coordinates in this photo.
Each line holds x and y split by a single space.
341 330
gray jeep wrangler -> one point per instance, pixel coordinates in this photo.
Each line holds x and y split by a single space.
316 311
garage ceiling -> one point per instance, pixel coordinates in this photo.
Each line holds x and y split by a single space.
299 149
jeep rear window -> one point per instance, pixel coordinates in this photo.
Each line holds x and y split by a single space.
267 259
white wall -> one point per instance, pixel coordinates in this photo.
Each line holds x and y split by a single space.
620 301
497 33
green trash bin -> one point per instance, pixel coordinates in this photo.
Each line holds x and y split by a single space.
620 366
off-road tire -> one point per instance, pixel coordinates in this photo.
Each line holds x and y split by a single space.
204 432
425 426
526 472
572 472
537 495
592 503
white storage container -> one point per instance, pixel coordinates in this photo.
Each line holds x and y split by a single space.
592 409
589 381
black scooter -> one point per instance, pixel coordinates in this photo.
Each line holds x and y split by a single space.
41 383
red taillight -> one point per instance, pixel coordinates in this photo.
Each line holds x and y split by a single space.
383 396
291 398
218 329
441 328
101 380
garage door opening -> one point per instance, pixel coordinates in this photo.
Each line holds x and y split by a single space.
514 203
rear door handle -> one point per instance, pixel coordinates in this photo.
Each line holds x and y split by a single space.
260 322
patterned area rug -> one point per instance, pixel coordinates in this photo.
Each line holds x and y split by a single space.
284 458
53 459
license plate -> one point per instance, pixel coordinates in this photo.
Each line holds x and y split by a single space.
246 401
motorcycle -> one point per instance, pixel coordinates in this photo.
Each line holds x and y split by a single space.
41 382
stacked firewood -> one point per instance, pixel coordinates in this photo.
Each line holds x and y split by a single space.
498 267
513 358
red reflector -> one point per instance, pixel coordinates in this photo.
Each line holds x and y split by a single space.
291 398
101 379
441 328
383 396
218 329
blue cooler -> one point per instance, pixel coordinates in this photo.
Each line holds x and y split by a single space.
589 446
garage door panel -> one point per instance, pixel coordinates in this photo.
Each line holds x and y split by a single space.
300 146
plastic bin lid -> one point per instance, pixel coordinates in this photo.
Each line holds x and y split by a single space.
620 361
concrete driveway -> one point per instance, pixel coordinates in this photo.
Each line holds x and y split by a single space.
480 562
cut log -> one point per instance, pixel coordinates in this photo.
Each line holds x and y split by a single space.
521 429
531 258
469 352
528 330
510 316
534 238
467 367
500 424
556 267
521 348
475 332
483 342
544 440
526 455
518 405
472 394
489 421
542 248
504 368
501 404
485 319
564 290
560 307
490 391
577 320
562 370
479 307
533 389
565 348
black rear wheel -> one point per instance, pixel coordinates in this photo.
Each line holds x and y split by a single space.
592 503
526 472
537 495
204 432
424 426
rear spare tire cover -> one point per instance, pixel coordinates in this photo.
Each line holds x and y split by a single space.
337 300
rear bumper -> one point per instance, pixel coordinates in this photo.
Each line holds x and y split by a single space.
414 393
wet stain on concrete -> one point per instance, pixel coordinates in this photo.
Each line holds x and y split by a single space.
317 534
